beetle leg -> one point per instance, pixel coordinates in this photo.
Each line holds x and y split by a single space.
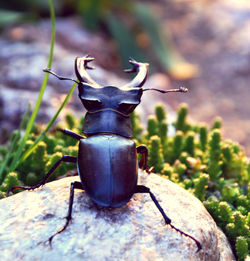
71 134
42 182
144 189
143 163
74 185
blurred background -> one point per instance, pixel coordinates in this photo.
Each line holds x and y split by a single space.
203 45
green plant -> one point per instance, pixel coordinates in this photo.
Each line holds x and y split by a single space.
143 35
200 186
214 170
242 248
196 158
8 17
33 168
13 160
136 30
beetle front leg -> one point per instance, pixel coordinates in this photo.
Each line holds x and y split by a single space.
64 158
74 185
71 134
143 163
144 189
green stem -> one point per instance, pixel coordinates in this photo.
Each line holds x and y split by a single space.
34 145
40 96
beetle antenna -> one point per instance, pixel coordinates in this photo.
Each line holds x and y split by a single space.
48 70
181 89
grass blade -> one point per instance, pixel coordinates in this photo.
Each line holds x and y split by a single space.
40 96
162 46
31 149
125 39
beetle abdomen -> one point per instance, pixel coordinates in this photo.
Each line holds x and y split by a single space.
107 165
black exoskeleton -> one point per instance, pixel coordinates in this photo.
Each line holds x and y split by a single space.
107 158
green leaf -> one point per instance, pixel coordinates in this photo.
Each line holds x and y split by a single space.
8 17
125 39
161 45
41 136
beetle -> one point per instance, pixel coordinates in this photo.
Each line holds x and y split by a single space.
107 157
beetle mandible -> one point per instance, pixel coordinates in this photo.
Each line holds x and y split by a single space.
107 157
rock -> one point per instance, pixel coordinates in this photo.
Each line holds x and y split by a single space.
135 231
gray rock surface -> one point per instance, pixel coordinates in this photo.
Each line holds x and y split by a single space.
135 231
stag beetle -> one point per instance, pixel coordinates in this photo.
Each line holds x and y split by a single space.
107 157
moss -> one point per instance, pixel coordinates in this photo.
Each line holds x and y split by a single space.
189 145
31 179
212 206
224 214
230 192
203 132
163 129
155 153
181 122
241 248
217 124
152 126
242 200
167 170
180 168
160 112
10 181
137 128
177 145
214 155
200 186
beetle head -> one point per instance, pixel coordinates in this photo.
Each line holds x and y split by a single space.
109 107
81 64
96 98
118 99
